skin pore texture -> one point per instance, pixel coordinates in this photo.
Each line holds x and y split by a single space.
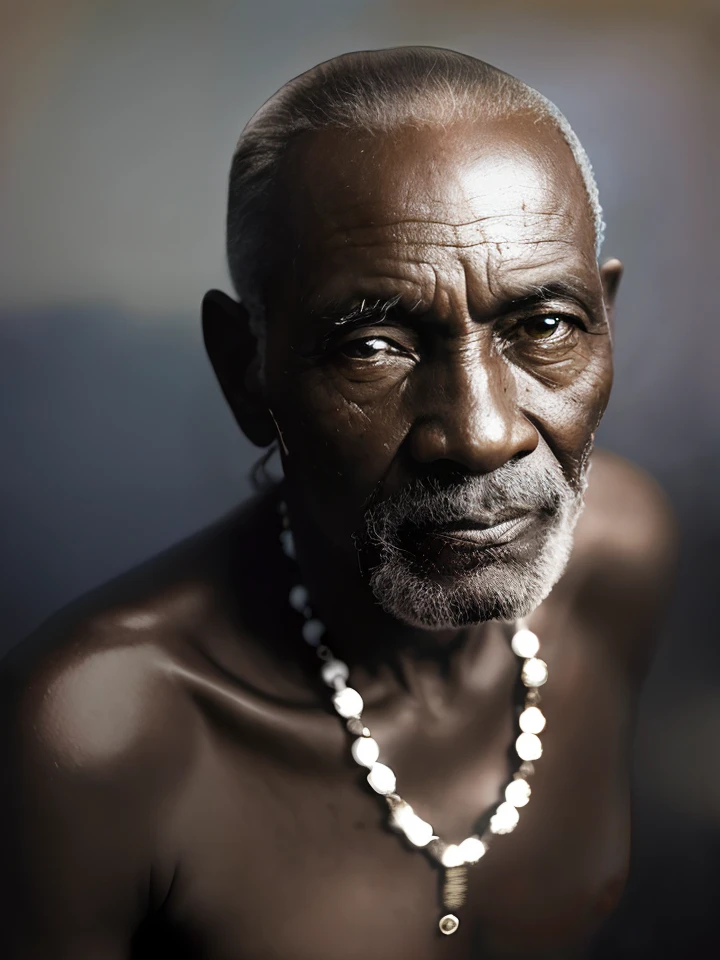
439 342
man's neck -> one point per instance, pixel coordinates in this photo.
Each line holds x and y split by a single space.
389 658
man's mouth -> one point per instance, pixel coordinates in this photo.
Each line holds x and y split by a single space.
476 534
454 545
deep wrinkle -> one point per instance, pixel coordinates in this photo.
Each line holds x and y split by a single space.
346 312
344 318
526 310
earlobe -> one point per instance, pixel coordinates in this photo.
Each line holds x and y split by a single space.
232 349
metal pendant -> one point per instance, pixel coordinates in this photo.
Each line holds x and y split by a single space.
454 887
454 891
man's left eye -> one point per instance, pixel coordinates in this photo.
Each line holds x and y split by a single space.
545 327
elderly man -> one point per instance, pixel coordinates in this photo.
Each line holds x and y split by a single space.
350 719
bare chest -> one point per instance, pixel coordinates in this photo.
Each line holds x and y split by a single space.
285 852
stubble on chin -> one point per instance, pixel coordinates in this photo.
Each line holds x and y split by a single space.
504 583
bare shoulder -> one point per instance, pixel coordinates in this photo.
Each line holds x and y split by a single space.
98 735
91 716
94 694
624 560
100 684
627 515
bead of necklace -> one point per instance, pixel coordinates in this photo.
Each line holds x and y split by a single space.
454 858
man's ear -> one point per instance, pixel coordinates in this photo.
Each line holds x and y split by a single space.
232 349
610 275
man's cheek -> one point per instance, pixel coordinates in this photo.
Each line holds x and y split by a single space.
333 407
591 392
568 417
347 444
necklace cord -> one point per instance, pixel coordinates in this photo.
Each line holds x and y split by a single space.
349 705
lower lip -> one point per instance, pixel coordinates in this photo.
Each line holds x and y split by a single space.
486 537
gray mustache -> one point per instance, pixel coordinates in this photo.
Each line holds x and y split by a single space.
507 493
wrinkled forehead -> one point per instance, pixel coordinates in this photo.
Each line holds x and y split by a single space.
488 198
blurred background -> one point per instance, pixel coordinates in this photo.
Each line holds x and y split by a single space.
119 119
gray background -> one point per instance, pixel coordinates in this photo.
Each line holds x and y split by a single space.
120 121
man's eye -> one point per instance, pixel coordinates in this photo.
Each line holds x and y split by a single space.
544 327
368 348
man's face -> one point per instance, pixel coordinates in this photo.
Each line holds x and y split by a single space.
438 358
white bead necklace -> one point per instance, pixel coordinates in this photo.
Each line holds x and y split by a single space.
348 703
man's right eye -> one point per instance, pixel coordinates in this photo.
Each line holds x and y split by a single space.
368 348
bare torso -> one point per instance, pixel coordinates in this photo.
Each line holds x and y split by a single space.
180 786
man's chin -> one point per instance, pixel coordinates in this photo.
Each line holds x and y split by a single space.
466 587
433 603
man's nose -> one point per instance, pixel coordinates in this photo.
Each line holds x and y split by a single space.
470 415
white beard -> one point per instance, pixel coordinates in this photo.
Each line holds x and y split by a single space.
506 584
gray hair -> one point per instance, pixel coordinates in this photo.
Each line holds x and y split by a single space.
374 91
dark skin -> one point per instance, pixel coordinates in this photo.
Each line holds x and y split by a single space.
178 784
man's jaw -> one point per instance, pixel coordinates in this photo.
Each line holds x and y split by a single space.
492 564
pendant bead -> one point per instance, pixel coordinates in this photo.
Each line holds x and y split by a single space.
528 746
418 831
288 543
312 631
333 670
518 793
365 751
348 703
448 924
381 779
404 818
505 819
472 849
525 643
532 720
534 672
299 597
357 728
452 857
